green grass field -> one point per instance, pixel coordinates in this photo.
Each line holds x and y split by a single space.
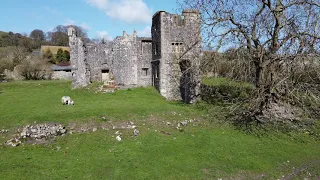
208 149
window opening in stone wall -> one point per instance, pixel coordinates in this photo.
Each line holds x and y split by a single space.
105 75
156 49
181 48
105 71
158 71
173 48
177 48
145 71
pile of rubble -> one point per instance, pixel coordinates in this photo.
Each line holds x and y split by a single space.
40 131
37 132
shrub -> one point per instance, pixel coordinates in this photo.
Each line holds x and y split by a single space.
59 56
66 55
34 68
48 55
225 90
6 63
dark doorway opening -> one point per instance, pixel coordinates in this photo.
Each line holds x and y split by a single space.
186 81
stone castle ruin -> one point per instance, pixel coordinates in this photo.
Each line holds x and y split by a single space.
169 60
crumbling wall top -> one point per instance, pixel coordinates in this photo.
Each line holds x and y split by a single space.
188 11
157 13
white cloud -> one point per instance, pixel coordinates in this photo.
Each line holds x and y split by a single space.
104 35
146 32
130 11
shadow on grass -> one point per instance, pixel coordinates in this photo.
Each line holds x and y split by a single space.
242 120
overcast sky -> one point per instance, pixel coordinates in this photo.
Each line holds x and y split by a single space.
108 18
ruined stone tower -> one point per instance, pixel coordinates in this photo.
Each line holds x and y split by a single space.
176 44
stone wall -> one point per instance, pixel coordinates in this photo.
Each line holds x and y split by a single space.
144 63
78 59
127 57
61 75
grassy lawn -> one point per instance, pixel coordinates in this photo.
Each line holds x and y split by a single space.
203 150
26 102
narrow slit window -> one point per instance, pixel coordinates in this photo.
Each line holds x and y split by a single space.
145 71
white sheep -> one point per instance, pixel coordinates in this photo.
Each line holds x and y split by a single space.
70 102
66 100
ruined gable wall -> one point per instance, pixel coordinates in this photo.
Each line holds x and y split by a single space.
119 57
124 65
80 67
96 57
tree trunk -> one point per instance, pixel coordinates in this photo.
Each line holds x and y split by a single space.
264 82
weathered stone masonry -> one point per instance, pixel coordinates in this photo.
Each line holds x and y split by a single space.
127 58
175 52
166 61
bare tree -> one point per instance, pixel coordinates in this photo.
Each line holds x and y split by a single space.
59 36
275 34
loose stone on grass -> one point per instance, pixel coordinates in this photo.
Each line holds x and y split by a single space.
13 142
136 132
123 125
118 138
40 131
2 131
37 133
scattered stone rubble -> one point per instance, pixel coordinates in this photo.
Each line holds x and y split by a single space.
2 131
124 125
40 131
183 123
37 132
13 142
47 131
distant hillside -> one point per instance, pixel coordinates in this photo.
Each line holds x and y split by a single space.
8 39
2 33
